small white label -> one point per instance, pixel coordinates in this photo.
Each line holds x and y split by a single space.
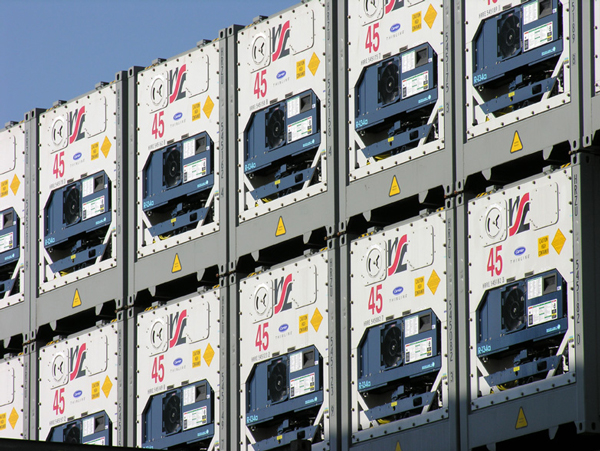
195 170
409 61
415 84
534 288
93 208
295 362
97 441
87 187
6 242
300 129
194 418
302 385
88 427
189 148
418 350
542 313
530 12
411 326
189 396
537 37
293 107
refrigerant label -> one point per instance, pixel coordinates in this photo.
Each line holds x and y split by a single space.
408 61
300 129
87 187
530 13
534 288
194 418
6 242
293 107
411 326
538 36
542 313
93 208
415 84
418 350
189 148
195 170
88 427
295 362
302 385
189 396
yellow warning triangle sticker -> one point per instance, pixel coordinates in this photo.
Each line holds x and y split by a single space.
280 227
176 264
516 143
398 447
521 420
395 188
76 299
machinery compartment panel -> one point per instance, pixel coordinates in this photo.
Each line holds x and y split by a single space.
517 57
178 156
12 397
284 355
395 96
78 179
520 285
281 110
178 373
398 313
78 387
12 214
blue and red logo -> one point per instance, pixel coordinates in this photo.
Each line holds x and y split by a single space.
281 36
177 323
76 120
393 5
397 255
283 289
518 208
177 79
77 356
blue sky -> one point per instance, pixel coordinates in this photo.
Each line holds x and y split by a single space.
59 49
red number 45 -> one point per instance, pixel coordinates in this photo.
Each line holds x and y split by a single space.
260 84
372 42
158 126
262 337
158 369
375 300
59 401
494 264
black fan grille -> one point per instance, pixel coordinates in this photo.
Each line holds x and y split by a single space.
172 168
513 310
172 414
72 434
389 88
277 382
275 128
71 205
391 346
509 36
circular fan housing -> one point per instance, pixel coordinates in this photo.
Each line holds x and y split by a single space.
172 413
72 434
391 346
509 36
275 128
389 87
513 310
277 382
72 205
172 168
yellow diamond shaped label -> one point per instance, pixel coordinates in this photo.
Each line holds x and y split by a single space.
14 186
95 390
316 319
106 145
196 358
4 188
430 16
558 242
314 62
13 418
209 354
208 107
433 282
107 386
2 421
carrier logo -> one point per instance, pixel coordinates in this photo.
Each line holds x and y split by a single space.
281 36
426 367
396 255
77 356
178 361
281 74
77 394
393 5
176 81
283 328
520 251
76 120
553 329
283 289
517 214
398 290
177 323
177 116
395 27
77 156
